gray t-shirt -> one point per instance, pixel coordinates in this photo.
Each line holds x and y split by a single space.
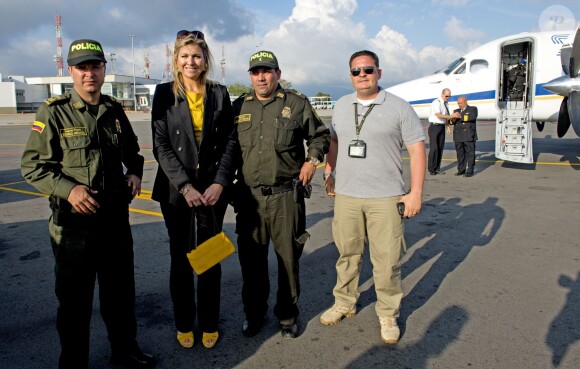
391 123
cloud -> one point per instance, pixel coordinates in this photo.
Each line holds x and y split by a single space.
450 3
313 42
110 22
464 37
314 45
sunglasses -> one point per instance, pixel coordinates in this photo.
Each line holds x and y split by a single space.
197 34
446 95
89 67
356 71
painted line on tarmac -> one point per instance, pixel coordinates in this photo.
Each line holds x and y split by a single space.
145 195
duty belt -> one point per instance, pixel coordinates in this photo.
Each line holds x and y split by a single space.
273 190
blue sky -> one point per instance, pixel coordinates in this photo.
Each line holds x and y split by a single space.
313 39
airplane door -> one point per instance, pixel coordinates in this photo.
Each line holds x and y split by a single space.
513 132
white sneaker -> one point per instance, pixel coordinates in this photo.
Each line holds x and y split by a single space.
389 329
336 313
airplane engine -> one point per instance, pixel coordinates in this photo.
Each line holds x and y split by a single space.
563 119
569 87
574 110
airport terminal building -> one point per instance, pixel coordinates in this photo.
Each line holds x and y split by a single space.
19 94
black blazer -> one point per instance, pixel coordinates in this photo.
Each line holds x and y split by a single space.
464 129
174 146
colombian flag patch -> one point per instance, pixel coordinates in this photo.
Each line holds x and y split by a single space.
38 126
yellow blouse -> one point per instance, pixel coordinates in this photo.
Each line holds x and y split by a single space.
195 102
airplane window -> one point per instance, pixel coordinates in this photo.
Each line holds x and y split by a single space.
479 66
461 69
453 65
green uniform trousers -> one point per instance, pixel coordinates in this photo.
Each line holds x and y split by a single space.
86 249
279 218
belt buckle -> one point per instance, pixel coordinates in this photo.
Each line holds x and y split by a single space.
266 190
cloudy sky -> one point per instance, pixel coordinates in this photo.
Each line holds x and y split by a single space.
312 39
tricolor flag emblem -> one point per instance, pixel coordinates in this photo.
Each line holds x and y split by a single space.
38 126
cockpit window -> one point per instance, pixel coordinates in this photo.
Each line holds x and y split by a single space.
479 66
453 65
460 69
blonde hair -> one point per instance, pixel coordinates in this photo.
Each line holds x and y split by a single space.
178 86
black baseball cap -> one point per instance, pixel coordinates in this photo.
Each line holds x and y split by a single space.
263 59
81 51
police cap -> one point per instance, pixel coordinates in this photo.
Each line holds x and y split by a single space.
263 58
81 51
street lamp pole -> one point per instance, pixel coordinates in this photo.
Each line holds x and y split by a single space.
134 86
112 56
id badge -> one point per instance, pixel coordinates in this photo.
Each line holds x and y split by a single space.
357 149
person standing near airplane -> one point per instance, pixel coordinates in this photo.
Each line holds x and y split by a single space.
368 131
83 153
438 118
194 142
273 124
464 136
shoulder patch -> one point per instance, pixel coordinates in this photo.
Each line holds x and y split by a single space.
38 126
111 99
294 92
52 100
240 98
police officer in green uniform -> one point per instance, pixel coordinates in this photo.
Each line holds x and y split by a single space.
83 153
272 125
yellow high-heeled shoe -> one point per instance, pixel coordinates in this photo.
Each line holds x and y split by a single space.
185 339
209 339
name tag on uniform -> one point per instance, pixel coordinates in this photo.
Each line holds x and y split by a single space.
243 118
74 131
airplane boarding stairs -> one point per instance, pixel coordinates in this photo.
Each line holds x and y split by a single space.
514 133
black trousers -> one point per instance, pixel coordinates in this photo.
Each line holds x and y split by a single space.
261 219
86 249
178 220
436 144
465 156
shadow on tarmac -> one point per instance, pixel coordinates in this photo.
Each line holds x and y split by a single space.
442 332
565 328
453 231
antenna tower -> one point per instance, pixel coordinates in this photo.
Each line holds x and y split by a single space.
223 64
167 72
147 62
58 56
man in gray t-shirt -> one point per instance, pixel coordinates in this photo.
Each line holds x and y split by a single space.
365 173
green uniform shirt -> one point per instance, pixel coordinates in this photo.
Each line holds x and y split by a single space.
272 135
69 146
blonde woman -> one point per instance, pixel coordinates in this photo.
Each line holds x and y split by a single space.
193 142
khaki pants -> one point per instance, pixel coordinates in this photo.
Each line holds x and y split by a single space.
378 219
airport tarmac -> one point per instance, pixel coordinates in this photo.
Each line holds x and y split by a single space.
491 276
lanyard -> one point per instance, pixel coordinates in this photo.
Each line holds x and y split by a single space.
357 126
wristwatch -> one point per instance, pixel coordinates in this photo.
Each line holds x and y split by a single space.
312 160
186 187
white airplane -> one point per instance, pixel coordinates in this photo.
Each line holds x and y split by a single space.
505 79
